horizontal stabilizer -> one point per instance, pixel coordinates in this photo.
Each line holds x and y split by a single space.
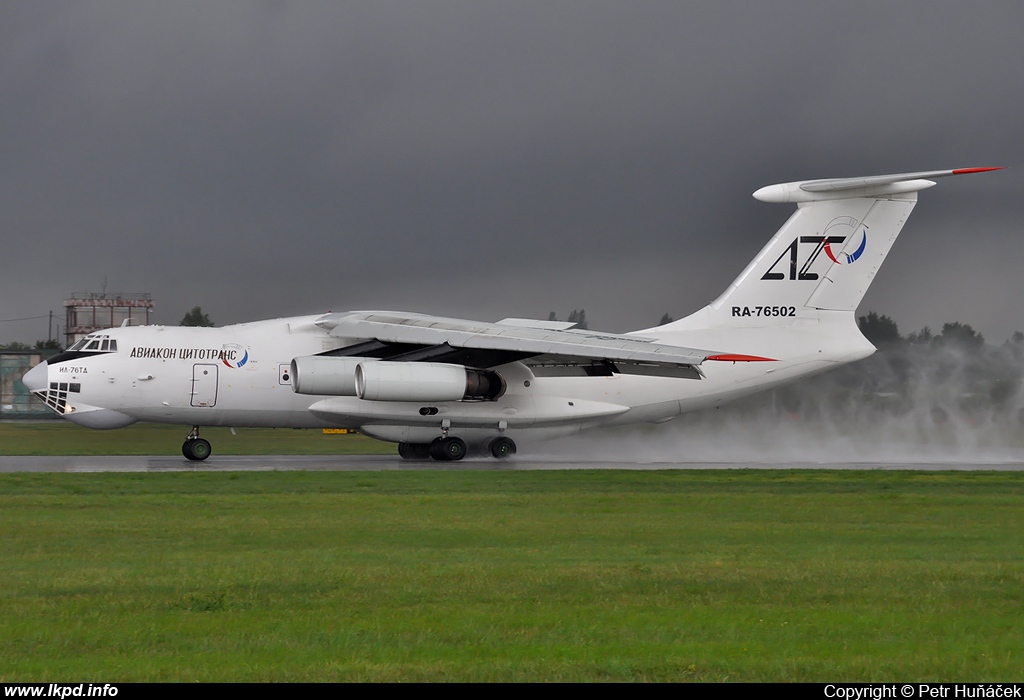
848 187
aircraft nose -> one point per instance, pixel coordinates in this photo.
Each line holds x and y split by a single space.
36 378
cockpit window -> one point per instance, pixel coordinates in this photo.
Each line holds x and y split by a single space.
89 345
95 343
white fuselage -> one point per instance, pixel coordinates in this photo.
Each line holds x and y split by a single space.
240 376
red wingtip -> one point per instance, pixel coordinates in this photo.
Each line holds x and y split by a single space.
965 171
740 358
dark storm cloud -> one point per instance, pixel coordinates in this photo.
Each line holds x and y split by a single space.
492 159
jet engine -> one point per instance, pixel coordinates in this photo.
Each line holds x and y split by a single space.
324 375
426 381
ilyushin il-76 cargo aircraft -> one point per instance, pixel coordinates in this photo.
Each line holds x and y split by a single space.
441 387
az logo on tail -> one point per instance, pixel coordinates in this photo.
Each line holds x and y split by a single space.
820 243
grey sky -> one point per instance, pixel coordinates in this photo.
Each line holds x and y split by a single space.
491 159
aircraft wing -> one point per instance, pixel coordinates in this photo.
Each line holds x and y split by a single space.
420 337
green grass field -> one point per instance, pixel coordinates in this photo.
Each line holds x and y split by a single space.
503 575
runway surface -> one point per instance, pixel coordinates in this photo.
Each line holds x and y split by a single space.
387 463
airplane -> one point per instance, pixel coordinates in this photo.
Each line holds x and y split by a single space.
443 387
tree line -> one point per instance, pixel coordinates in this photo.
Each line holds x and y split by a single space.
947 375
882 331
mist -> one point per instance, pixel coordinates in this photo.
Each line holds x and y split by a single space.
937 402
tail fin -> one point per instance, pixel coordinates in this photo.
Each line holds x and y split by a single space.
827 253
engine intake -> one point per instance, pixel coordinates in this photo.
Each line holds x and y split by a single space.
425 381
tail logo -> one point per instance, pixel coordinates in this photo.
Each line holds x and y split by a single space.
850 257
802 255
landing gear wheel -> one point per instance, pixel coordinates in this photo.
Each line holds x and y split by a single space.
414 450
196 449
449 449
502 447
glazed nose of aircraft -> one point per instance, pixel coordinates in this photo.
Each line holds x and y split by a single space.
36 378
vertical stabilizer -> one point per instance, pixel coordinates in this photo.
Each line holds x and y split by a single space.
824 257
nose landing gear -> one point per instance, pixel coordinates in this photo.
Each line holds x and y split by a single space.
195 448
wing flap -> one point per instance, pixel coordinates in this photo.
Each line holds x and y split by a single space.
418 329
534 323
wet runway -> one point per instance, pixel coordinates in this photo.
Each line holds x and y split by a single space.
388 463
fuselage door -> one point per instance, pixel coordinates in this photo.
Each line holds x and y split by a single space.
204 385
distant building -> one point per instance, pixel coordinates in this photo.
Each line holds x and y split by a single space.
93 311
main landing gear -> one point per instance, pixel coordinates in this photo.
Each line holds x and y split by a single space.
195 448
452 449
502 447
448 449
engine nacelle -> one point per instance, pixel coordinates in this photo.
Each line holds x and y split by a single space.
324 375
426 381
